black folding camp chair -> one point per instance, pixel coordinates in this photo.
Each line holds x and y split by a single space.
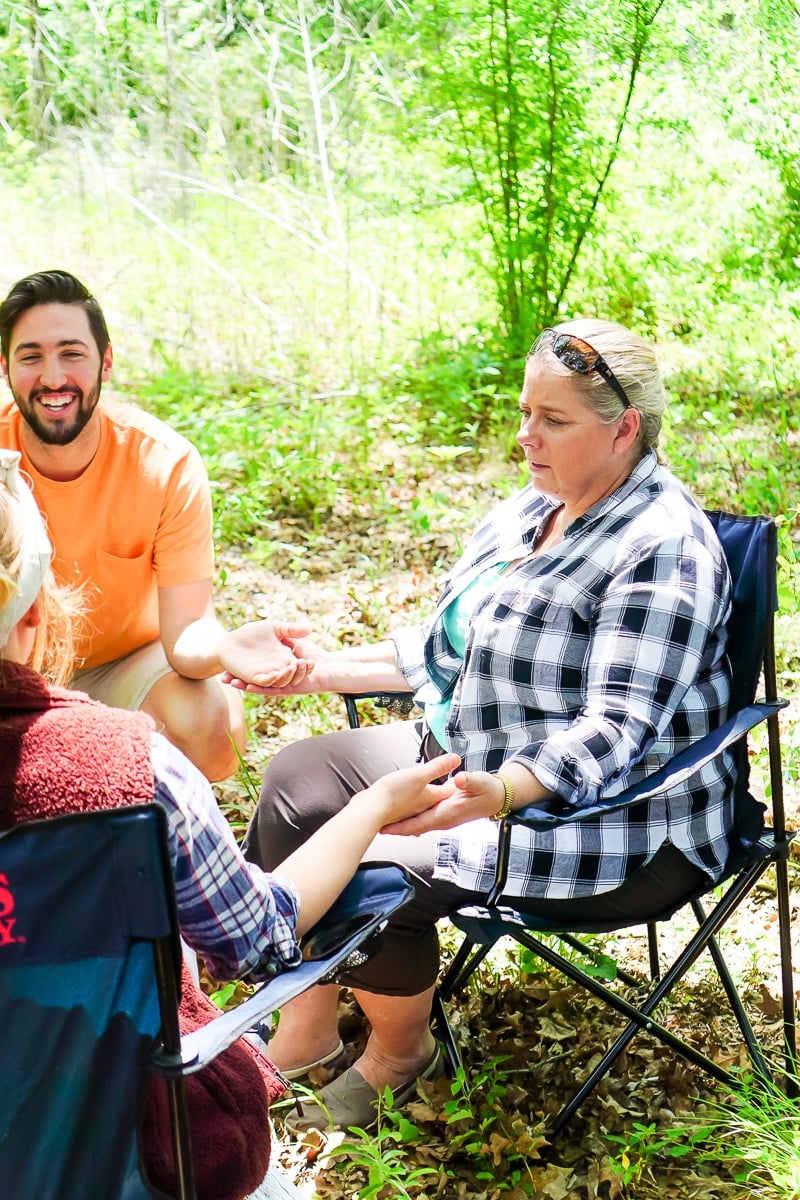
90 960
750 545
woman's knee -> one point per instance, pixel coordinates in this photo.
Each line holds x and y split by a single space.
405 963
294 801
286 769
307 782
335 765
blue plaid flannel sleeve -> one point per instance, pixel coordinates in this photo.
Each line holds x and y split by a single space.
239 919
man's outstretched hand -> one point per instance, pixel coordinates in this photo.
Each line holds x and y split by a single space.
263 654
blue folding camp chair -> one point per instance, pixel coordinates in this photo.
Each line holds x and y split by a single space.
89 988
750 545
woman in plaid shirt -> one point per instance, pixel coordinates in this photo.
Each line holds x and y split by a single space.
578 644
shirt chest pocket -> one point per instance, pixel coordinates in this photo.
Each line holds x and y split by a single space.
541 606
121 582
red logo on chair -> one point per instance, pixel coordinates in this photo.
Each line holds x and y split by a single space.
7 922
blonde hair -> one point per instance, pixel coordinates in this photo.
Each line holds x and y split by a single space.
633 362
61 607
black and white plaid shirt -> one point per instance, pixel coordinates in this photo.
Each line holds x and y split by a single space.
593 664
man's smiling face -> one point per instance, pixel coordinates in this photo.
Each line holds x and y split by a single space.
55 371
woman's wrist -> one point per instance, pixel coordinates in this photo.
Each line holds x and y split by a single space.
508 797
526 787
374 807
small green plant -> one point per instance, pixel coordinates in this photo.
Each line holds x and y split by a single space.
592 960
250 785
481 1125
380 1155
645 1146
223 995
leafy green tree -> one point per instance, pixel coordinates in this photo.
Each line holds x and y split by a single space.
528 102
778 138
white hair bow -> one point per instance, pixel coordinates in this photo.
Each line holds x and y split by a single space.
36 549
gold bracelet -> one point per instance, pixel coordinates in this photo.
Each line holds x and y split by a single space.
508 802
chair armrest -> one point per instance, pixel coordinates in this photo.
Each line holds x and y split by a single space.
399 703
376 891
383 699
549 815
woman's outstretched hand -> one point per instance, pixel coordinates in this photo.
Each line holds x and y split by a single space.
264 657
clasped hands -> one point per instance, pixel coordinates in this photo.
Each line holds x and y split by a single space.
275 659
281 660
419 805
265 657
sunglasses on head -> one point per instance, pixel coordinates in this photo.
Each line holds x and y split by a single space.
579 356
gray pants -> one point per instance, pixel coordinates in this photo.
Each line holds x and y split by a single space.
308 782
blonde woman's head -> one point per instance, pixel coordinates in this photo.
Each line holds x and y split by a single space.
630 360
26 579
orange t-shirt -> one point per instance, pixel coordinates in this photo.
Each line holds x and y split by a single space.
138 518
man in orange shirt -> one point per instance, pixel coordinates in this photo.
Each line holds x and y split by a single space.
128 507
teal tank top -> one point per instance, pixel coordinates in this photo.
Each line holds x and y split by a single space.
456 619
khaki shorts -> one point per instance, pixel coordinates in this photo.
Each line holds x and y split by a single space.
125 682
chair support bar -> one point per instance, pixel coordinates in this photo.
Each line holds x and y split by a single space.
176 1087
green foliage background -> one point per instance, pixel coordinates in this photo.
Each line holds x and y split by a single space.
325 233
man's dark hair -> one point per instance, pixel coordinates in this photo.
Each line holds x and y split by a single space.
50 287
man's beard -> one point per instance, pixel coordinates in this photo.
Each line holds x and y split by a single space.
58 433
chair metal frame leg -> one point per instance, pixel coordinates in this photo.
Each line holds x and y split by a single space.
639 1018
703 939
463 965
787 976
465 962
734 999
652 951
176 1086
443 1032
782 839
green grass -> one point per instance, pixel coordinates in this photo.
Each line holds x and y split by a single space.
756 1134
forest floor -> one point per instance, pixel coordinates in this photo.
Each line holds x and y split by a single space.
528 1036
